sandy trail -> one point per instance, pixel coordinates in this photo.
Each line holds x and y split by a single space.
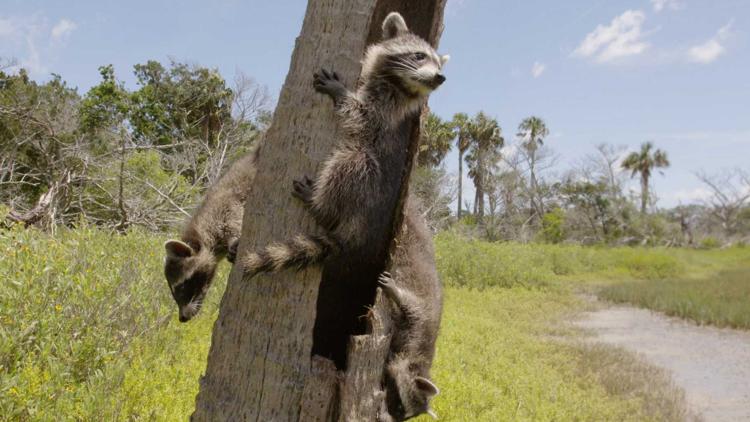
712 365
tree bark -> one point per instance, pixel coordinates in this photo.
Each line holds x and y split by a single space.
260 366
644 194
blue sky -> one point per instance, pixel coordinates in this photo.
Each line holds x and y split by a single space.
675 72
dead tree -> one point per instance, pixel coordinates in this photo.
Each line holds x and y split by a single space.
261 366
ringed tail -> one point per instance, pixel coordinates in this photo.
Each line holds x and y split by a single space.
300 252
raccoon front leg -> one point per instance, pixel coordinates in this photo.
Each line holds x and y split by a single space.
303 189
405 300
327 82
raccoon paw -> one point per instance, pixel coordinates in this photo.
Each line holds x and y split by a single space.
388 285
303 190
232 250
328 82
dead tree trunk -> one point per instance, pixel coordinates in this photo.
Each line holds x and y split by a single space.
260 366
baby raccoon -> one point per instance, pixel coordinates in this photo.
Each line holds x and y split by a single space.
416 305
360 178
211 233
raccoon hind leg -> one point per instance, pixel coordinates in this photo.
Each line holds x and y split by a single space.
302 189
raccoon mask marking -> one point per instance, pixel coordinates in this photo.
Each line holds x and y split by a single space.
189 274
408 61
407 396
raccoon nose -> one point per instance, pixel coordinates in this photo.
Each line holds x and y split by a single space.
439 79
183 318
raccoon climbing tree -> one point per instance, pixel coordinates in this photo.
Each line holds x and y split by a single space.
264 363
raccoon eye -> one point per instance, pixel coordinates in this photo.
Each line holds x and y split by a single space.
420 56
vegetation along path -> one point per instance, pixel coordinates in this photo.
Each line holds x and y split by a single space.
711 364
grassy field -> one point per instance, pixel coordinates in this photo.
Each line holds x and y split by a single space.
721 299
86 321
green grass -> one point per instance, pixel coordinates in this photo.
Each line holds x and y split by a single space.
478 264
78 311
722 299
88 330
498 360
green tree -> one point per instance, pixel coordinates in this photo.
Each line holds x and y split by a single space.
435 141
484 153
181 102
643 162
461 125
590 200
532 132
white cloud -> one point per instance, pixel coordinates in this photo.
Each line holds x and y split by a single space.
537 69
692 195
712 49
62 30
33 41
622 38
660 5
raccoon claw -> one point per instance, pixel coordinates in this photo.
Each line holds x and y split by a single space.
303 190
386 283
328 82
232 250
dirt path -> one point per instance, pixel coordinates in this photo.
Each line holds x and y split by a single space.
712 365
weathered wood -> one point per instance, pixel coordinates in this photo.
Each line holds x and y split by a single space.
259 366
367 355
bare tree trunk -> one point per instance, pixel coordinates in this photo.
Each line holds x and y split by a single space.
260 366
644 194
460 180
44 212
123 224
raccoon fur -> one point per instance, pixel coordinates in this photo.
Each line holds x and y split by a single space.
416 301
360 178
210 234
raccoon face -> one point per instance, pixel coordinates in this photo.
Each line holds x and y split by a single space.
189 274
405 59
406 395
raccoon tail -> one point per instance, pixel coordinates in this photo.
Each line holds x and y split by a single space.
300 252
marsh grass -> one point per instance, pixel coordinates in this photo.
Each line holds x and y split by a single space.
499 360
721 299
88 330
623 374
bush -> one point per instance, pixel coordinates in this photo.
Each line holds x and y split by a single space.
70 305
552 226
709 243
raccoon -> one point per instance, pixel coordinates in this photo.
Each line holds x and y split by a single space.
211 234
416 300
360 179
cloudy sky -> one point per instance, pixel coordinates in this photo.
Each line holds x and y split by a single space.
675 72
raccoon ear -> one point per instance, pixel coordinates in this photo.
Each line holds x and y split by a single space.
393 26
427 387
178 249
444 59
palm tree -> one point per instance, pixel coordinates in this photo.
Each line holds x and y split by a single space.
532 132
643 162
460 123
435 141
484 153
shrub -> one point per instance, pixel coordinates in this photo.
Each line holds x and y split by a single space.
552 226
709 242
